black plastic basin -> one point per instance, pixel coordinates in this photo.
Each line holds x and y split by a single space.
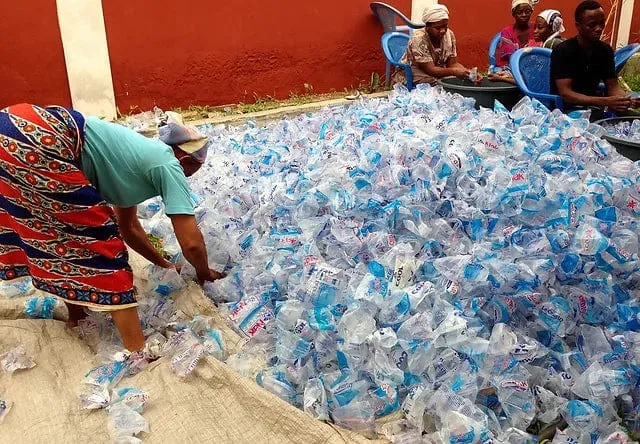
485 92
628 148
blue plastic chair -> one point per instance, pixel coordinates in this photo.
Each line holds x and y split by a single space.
388 17
623 55
531 69
493 47
394 45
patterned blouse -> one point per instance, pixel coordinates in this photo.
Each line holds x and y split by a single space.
509 43
421 50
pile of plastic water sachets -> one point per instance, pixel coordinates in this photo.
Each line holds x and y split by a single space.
625 130
476 270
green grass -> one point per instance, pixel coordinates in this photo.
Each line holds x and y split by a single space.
259 103
633 81
158 244
266 103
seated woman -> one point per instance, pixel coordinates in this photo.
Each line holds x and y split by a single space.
549 28
431 52
547 33
516 36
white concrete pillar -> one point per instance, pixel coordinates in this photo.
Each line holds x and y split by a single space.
417 8
624 27
84 40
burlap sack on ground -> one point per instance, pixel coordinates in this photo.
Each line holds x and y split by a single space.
215 404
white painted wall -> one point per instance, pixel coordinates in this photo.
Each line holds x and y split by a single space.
86 54
624 28
417 8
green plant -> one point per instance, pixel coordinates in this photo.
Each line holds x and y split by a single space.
201 110
259 104
633 81
375 85
308 95
375 81
157 244
295 99
299 99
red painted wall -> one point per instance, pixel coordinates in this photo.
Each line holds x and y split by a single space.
32 67
223 52
474 29
203 52
634 36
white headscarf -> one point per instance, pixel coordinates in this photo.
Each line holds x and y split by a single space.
435 13
516 3
554 19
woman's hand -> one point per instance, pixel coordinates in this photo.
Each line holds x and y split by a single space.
209 275
495 77
168 264
501 77
460 72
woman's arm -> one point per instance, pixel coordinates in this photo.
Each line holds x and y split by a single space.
435 71
135 236
192 245
453 63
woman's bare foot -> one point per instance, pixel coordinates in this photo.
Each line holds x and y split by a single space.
76 314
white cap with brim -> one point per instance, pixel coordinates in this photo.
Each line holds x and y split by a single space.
185 137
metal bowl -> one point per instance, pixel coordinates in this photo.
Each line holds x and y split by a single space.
485 92
628 148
